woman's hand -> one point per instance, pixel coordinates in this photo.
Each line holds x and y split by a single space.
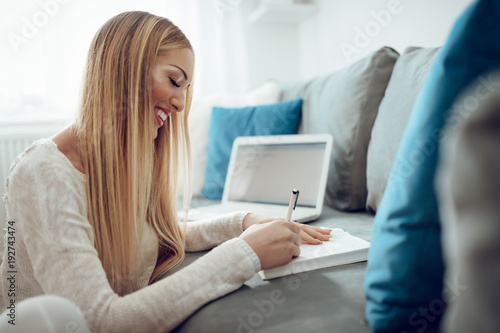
308 233
275 243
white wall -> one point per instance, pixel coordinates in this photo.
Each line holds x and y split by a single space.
234 55
413 23
331 38
273 53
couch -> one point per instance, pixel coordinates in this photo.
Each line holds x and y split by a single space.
365 106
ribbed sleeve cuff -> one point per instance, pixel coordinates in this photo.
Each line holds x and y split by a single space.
242 256
235 226
250 252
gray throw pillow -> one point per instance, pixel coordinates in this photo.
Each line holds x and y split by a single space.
345 104
406 80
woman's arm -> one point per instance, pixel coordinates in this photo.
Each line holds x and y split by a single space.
46 204
205 234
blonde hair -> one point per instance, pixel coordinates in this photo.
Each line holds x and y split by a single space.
131 178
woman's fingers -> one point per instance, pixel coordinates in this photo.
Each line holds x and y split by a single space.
318 235
308 238
316 232
323 230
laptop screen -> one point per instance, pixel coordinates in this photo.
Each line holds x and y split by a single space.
266 173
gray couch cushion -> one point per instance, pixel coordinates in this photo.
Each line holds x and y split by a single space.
345 104
406 80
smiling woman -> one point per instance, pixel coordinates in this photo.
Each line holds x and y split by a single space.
102 225
112 140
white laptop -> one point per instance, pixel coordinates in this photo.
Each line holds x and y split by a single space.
263 170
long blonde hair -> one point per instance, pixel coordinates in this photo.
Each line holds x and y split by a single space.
131 178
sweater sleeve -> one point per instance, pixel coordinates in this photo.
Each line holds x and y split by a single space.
47 207
206 234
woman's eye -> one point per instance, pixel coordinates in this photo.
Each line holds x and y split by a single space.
174 83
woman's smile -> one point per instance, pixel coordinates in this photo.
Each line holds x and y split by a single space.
161 115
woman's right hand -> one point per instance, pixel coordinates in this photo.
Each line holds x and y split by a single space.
275 243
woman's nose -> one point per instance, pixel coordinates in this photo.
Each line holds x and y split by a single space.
178 102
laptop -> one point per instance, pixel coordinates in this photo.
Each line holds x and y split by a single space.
263 171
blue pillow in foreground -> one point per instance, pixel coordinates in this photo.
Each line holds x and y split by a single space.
226 124
404 278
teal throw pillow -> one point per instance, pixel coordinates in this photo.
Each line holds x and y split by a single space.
404 278
226 124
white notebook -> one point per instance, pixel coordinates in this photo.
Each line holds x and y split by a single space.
343 248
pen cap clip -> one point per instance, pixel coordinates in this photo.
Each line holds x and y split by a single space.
296 194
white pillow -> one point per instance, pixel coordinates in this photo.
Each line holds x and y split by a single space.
199 120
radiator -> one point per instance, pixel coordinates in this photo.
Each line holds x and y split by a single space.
14 139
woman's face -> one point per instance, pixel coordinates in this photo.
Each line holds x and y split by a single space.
171 75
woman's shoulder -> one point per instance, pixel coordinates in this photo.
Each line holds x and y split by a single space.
43 159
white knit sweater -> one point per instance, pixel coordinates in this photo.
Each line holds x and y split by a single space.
45 197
